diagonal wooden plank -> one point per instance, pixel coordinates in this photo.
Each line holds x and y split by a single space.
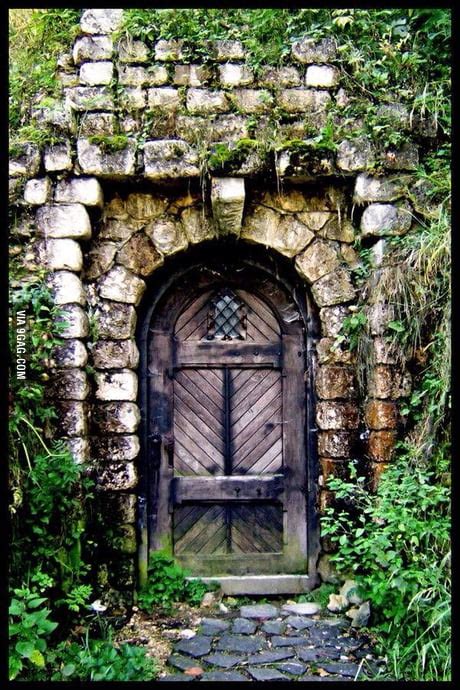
258 306
209 378
242 386
200 407
250 454
200 394
202 531
254 400
198 446
262 524
185 324
196 420
185 517
270 461
185 463
259 425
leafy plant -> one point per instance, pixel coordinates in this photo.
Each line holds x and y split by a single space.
167 584
29 628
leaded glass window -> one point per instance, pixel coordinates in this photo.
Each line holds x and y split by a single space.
226 317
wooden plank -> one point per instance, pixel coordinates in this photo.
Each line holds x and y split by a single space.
187 321
259 427
219 353
243 461
201 408
196 418
271 461
247 395
262 525
185 463
256 404
200 537
235 563
259 308
202 452
225 488
200 390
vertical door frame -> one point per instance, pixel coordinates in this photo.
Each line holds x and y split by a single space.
163 285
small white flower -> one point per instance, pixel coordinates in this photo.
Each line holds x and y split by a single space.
98 607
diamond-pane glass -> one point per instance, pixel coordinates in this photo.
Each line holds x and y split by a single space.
227 317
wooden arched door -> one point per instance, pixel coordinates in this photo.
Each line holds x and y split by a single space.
227 470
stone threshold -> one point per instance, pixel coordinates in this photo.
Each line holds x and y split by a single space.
262 584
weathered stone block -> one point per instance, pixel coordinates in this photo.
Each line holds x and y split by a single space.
335 444
196 225
115 229
355 154
119 508
338 228
116 208
84 98
251 100
93 160
324 76
67 288
133 76
115 354
80 190
318 259
121 285
386 219
332 320
227 199
394 113
388 188
350 256
115 448
96 73
337 415
404 158
116 418
331 467
389 382
334 382
261 225
132 98
191 75
333 288
307 163
74 322
26 164
168 237
100 258
93 124
15 189
116 385
235 74
279 76
221 128
69 384
204 101
384 351
139 254
92 48
71 354
381 445
381 414
308 51
291 237
170 158
130 50
101 21
37 192
329 352
79 449
376 471
145 206
117 476
291 201
378 316
169 50
115 320
61 254
66 220
227 50
165 98
72 417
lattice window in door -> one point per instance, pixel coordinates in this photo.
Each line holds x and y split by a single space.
226 317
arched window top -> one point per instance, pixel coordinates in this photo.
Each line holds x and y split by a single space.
226 317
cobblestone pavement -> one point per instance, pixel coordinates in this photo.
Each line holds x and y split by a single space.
264 642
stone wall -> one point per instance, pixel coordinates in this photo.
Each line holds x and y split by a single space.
155 155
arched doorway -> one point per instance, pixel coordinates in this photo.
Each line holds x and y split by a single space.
228 483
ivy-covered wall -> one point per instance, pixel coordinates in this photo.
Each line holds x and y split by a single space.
151 149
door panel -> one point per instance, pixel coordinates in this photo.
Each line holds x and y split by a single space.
232 480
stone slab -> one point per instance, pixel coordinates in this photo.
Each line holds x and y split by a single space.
262 584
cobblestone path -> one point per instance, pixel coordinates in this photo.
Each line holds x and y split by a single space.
264 642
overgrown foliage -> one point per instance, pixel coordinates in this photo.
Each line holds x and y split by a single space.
167 584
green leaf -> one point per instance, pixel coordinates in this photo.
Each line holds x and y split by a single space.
68 670
16 608
37 658
25 649
34 603
15 666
